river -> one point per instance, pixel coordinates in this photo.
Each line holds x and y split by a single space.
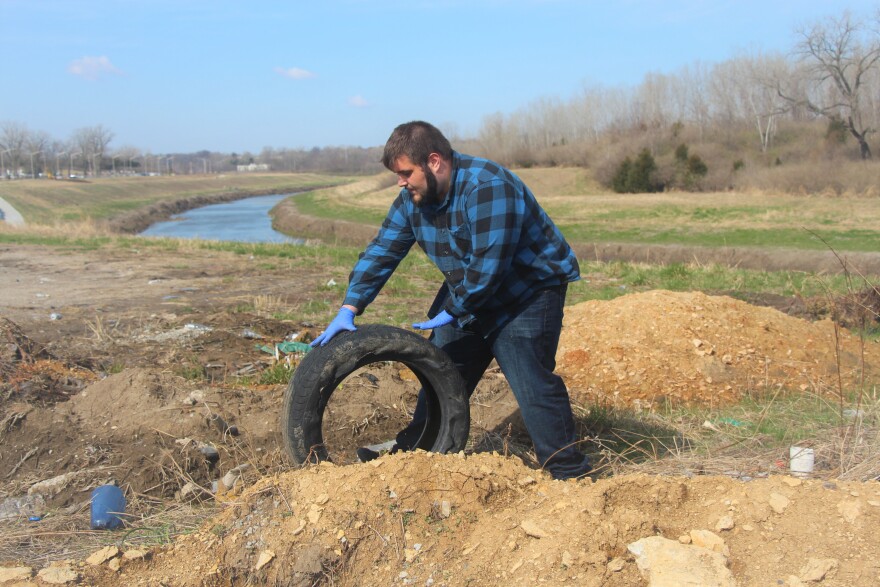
245 220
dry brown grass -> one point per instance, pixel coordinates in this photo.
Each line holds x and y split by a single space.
66 535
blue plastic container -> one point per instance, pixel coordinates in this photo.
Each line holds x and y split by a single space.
108 507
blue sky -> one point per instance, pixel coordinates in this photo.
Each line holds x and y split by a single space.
185 75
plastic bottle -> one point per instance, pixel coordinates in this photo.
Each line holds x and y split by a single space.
108 507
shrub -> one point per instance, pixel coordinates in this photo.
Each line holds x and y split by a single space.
620 181
689 169
636 176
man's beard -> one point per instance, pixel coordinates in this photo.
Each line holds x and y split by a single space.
431 195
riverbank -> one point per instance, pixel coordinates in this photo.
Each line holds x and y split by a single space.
137 221
131 203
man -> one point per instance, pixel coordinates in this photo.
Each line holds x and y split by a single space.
506 268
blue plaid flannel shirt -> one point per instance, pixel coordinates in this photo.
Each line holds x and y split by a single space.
494 244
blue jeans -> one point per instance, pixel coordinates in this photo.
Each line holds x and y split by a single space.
525 349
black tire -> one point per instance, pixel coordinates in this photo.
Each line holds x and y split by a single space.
324 368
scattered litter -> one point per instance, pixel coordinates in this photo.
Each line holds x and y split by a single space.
732 422
293 347
331 283
197 327
245 370
107 507
221 425
42 295
233 475
248 333
155 281
285 347
13 507
211 454
54 316
371 378
195 397
169 297
293 336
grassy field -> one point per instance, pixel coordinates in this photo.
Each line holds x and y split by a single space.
50 202
586 213
582 209
577 203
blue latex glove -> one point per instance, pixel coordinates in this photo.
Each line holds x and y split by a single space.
441 319
344 321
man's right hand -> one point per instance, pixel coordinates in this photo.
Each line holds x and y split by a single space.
344 321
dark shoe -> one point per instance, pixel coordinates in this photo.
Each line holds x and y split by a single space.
366 455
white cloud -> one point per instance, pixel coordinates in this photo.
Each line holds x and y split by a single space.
294 73
91 68
358 101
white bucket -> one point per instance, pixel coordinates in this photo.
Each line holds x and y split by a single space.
801 461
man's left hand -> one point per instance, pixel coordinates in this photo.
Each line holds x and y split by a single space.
441 319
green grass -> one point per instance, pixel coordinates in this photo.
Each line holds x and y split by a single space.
864 240
606 281
755 433
313 204
417 276
586 214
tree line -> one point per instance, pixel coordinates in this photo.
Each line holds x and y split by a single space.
823 94
745 107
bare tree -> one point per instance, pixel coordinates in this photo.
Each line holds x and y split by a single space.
92 141
745 90
13 143
839 56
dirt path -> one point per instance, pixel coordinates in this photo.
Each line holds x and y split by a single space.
9 214
142 364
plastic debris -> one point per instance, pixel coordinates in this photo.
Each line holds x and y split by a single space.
293 347
222 425
210 453
107 508
286 347
197 327
55 316
732 422
248 333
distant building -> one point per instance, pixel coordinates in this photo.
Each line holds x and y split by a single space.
253 167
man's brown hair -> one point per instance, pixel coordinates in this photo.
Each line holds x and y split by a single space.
417 140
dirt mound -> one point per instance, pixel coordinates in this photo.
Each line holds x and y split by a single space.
690 347
149 431
424 519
